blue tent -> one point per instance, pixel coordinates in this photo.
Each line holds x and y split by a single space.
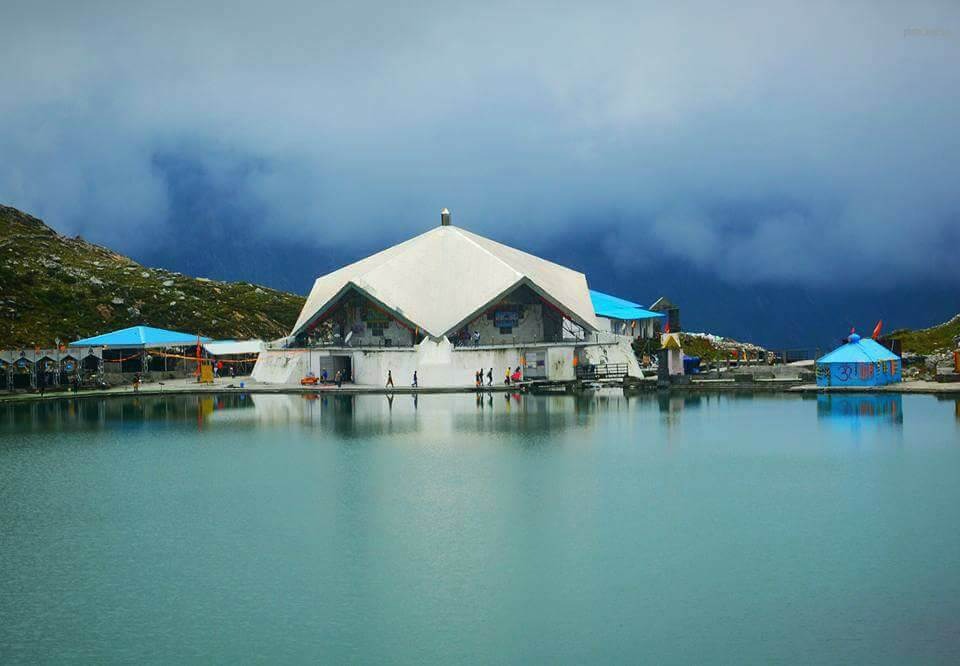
605 305
859 362
139 337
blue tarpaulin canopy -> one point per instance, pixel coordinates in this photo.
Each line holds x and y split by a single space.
859 350
139 336
859 362
605 305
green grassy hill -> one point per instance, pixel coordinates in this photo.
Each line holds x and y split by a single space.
929 340
52 286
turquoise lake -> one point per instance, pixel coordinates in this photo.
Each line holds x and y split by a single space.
500 529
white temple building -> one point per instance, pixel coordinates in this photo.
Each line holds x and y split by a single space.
445 304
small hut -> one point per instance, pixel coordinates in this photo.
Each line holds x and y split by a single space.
859 362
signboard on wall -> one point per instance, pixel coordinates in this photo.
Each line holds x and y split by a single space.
506 318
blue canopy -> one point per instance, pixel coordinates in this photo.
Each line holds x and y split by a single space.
140 336
605 305
859 362
859 350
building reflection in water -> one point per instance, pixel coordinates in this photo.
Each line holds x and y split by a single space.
373 415
854 409
92 413
955 399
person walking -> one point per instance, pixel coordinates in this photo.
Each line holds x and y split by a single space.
338 378
389 379
414 384
506 377
490 377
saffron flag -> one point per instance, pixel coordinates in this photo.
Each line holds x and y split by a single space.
876 330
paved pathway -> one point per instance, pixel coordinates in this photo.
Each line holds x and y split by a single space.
245 385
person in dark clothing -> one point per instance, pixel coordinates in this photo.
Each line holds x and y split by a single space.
390 378
41 381
490 377
414 384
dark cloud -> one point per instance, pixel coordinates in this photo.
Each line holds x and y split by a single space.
773 143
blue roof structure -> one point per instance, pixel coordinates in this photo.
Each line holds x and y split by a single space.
139 336
859 362
605 305
859 350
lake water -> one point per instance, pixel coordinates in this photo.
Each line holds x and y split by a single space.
504 529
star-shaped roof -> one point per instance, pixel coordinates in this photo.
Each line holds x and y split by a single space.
442 279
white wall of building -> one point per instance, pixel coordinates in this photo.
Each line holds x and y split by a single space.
284 366
608 354
437 363
560 364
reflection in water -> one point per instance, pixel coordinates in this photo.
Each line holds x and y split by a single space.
349 416
956 404
127 412
330 528
854 409
373 415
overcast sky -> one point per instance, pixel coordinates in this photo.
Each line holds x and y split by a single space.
770 144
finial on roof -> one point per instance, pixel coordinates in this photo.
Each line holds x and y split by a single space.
444 218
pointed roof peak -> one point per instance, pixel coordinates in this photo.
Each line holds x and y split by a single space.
439 278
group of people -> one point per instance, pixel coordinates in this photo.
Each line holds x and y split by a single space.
465 337
413 383
508 377
338 377
478 377
218 369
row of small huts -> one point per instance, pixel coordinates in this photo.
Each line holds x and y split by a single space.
117 355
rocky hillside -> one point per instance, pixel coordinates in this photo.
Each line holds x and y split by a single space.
940 338
711 347
52 286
